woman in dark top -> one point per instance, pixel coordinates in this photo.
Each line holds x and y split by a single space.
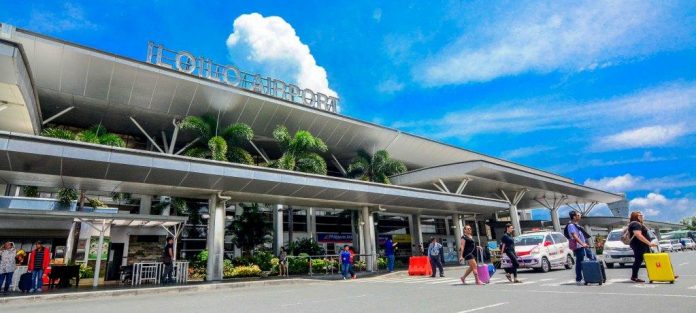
508 247
466 253
640 243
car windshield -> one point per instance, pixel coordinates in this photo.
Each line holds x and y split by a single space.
614 236
529 240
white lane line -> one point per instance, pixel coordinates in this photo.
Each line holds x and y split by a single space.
614 280
567 282
692 287
322 300
685 263
483 307
449 281
644 286
547 279
610 293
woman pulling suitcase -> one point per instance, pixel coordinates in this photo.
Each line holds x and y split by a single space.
640 243
466 253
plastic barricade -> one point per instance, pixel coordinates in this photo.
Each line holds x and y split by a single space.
419 265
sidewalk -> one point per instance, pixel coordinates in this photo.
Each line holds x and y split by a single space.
120 290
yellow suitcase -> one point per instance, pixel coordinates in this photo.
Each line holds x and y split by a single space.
659 267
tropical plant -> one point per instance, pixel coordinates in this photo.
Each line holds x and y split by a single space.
300 152
305 245
376 168
95 134
249 229
246 271
96 203
86 271
66 196
177 206
121 197
30 191
218 144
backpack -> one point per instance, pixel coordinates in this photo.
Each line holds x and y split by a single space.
626 236
582 230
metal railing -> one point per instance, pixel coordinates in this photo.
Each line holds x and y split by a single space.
332 263
151 273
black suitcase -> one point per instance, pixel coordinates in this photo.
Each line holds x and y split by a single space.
593 270
24 284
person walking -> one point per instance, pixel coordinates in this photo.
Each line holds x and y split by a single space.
389 246
640 243
39 259
442 251
466 253
7 266
434 250
168 260
577 241
283 262
508 248
345 259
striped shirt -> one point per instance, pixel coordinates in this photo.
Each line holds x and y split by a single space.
38 258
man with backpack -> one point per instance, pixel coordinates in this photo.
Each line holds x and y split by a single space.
434 250
577 240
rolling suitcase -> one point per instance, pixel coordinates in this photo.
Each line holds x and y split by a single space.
483 275
24 283
659 267
593 270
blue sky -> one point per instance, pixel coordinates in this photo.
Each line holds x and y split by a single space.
601 92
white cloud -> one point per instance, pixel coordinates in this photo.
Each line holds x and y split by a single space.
551 36
524 152
390 86
628 182
661 207
644 137
71 17
672 104
272 46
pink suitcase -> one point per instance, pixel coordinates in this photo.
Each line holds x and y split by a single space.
484 276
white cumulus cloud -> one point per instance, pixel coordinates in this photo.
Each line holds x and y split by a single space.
542 37
644 137
271 45
628 182
663 208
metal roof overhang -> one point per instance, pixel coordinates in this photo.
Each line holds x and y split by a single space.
108 89
488 178
618 222
113 219
44 161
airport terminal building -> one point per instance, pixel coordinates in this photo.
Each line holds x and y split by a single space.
46 82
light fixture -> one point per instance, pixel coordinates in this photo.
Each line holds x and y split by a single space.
205 216
380 208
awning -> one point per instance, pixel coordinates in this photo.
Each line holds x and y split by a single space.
139 220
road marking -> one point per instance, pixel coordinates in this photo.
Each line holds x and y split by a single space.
567 282
608 293
685 263
644 286
546 279
448 281
483 307
692 287
614 280
323 300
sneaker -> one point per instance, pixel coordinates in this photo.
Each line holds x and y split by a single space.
432 276
344 278
579 283
442 275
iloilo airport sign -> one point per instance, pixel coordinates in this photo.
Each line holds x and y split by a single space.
186 62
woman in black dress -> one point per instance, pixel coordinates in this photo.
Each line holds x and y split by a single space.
466 253
508 247
640 243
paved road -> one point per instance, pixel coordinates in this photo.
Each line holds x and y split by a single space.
540 292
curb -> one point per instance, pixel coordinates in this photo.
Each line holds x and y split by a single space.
35 298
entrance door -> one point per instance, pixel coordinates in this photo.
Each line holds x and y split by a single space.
113 267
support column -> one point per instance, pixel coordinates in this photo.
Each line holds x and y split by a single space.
417 235
216 238
553 207
145 204
555 220
368 234
311 223
514 218
277 228
458 230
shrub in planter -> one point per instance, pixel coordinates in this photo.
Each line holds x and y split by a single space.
263 260
381 262
246 271
298 266
197 273
227 268
86 271
360 265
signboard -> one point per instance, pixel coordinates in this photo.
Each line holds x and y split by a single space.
401 238
334 237
94 248
185 62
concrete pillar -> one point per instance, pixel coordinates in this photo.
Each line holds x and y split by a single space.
555 220
448 231
458 229
515 219
368 235
416 234
373 243
361 232
70 243
167 209
311 223
216 239
145 204
277 228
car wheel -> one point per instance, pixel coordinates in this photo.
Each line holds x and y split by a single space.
610 265
569 262
545 265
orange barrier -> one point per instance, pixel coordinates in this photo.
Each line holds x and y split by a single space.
419 265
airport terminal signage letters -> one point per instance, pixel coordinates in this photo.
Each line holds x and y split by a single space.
183 61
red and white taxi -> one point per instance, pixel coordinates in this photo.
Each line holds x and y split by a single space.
541 251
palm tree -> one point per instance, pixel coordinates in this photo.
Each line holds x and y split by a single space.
375 168
219 145
300 152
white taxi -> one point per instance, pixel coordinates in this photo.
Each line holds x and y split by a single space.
541 251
